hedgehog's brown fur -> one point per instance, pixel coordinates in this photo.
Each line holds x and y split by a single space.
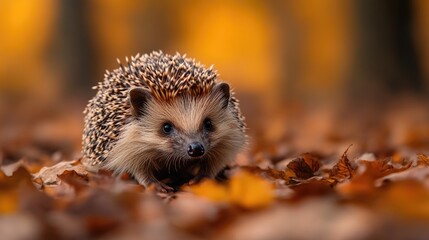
175 82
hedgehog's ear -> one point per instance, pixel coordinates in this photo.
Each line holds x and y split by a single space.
223 90
138 99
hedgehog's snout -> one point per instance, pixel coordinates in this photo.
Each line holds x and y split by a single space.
195 149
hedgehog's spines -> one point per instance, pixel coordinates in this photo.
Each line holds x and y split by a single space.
120 65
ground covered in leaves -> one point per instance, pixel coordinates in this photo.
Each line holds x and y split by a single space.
311 175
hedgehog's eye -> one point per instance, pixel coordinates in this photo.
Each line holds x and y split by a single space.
167 128
208 124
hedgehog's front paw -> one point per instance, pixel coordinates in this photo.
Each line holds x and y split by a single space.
147 181
159 186
162 187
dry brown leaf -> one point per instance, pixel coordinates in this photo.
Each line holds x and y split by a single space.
9 169
303 167
342 170
380 168
31 166
49 175
78 181
364 184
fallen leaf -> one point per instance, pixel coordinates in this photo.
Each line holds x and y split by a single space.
250 191
380 168
211 190
31 166
303 167
342 170
244 189
364 183
78 181
9 169
49 175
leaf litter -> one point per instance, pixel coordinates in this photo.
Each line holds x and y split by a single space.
273 193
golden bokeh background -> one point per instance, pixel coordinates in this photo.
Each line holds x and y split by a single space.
270 48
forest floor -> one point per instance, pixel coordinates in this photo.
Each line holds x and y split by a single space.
308 174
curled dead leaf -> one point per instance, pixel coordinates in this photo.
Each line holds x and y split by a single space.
71 177
303 167
342 170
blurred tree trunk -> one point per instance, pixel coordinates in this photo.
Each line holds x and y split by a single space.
74 49
386 60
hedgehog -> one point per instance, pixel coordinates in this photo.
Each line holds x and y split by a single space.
162 116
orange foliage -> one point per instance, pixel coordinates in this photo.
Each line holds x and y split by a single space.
244 189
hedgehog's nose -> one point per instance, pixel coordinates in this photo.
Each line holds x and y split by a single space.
195 149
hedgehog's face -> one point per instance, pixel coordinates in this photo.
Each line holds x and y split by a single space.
187 127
